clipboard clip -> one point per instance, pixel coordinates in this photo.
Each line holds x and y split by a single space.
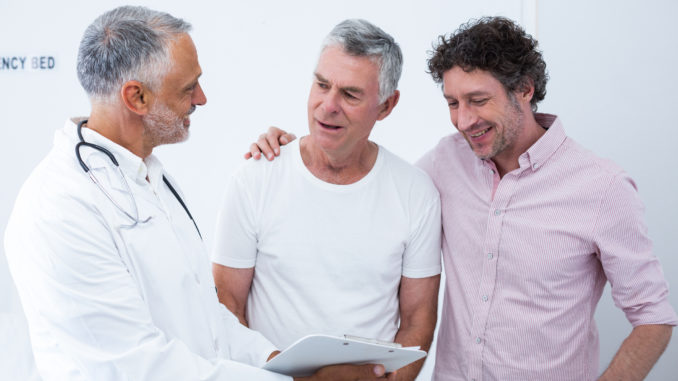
372 341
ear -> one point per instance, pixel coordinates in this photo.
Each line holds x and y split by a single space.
388 105
136 97
526 90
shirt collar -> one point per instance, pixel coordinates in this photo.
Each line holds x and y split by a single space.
131 165
547 144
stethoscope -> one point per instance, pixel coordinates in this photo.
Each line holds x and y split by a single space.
135 216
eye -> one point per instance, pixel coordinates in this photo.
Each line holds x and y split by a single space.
323 85
191 88
452 104
349 95
479 102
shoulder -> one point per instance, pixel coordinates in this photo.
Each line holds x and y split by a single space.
452 155
585 162
408 176
56 180
57 205
260 174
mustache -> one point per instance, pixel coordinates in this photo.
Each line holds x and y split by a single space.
190 111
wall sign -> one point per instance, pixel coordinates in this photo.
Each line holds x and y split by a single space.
22 63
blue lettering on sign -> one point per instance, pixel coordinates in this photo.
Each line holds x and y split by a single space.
13 63
19 63
43 63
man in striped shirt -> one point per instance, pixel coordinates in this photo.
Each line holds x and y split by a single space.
534 226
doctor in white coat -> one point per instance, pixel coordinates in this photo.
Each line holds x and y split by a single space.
110 267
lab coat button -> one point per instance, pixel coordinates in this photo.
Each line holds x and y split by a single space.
197 278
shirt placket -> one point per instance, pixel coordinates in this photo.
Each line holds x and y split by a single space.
502 192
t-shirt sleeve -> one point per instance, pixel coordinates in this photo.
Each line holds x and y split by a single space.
636 278
235 234
421 258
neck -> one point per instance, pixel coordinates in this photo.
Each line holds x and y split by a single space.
118 126
338 168
508 160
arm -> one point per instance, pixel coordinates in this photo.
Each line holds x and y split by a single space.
269 144
418 314
233 287
638 353
637 282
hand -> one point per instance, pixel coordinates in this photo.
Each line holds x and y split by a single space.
272 355
349 373
269 144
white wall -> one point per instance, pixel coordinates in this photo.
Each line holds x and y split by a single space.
258 56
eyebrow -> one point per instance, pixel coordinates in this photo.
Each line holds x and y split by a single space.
468 95
350 89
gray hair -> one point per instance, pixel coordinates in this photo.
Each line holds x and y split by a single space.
126 43
363 39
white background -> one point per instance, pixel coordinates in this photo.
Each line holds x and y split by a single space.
613 82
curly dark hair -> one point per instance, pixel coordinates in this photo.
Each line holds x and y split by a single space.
497 45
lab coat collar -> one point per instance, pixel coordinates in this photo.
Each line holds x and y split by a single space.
131 165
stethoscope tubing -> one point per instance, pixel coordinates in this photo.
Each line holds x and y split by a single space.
136 220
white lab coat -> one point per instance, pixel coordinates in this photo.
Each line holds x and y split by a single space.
109 303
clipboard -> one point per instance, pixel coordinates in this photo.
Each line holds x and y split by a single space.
310 353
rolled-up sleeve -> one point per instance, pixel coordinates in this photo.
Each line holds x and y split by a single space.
635 275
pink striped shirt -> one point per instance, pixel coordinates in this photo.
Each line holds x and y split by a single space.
527 256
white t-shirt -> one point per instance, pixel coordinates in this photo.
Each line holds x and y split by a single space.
328 257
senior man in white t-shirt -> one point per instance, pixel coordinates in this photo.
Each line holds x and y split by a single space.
338 235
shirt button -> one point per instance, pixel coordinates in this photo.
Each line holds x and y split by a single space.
535 166
490 256
497 212
478 340
485 298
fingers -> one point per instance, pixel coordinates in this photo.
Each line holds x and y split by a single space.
254 152
272 355
351 372
287 138
269 144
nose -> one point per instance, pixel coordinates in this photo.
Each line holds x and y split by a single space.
465 117
199 97
330 102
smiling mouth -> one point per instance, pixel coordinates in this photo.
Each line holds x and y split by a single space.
480 133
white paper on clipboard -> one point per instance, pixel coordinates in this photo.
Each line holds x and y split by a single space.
310 353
